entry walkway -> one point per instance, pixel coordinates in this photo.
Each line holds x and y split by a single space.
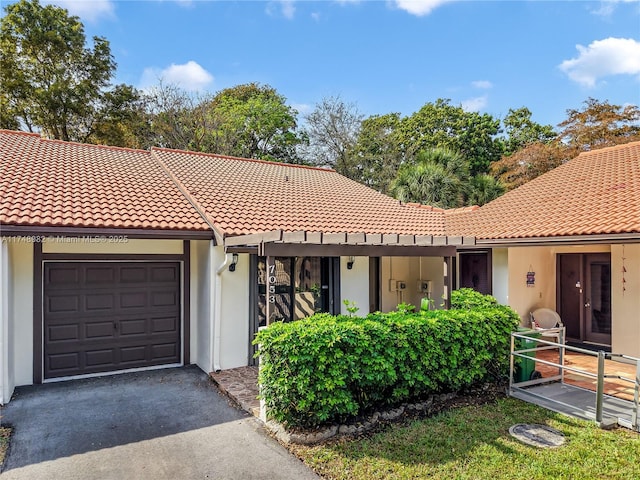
241 385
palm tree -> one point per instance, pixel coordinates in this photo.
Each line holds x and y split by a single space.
483 188
439 178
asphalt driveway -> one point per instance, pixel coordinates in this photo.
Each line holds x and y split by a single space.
160 424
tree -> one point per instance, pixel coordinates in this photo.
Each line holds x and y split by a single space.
599 124
332 129
50 80
181 120
528 163
521 131
438 178
254 121
441 124
376 156
483 188
122 120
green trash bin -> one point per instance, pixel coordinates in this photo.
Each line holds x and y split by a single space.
525 368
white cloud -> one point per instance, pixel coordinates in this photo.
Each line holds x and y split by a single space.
302 108
85 9
611 56
420 7
607 7
474 104
287 8
189 76
483 84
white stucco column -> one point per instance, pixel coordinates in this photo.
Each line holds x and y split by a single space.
6 382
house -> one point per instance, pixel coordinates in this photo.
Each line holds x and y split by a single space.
568 240
114 259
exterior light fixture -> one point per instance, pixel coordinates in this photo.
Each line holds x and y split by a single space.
350 263
234 262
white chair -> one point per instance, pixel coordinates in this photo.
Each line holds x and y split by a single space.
544 319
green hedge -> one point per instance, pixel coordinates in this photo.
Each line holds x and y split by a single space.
326 369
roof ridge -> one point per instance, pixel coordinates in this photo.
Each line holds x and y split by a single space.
607 148
20 132
185 192
243 159
105 147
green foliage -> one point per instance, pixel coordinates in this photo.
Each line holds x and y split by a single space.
468 298
439 178
351 306
440 124
50 79
327 368
522 131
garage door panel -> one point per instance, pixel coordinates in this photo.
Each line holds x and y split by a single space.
99 301
163 351
134 326
164 274
99 275
62 277
134 274
136 353
164 299
164 324
134 300
63 303
102 357
57 333
95 321
104 329
64 362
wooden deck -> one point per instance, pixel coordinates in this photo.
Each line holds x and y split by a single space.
589 364
574 392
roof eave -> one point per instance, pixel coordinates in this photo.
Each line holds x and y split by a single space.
596 239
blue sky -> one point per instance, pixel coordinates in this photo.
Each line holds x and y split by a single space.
384 56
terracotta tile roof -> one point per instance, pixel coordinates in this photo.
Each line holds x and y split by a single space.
243 196
598 192
54 183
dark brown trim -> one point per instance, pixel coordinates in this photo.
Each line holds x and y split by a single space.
374 284
456 265
311 250
448 281
37 312
604 239
95 233
249 250
186 298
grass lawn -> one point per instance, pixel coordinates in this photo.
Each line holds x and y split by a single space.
474 443
4 442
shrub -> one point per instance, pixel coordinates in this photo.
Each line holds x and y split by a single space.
325 368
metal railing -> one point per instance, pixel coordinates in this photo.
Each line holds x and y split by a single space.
529 354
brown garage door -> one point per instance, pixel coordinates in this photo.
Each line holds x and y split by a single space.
107 316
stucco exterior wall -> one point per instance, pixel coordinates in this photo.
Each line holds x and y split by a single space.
354 284
541 260
409 270
119 244
7 381
200 311
234 311
500 275
20 293
625 304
